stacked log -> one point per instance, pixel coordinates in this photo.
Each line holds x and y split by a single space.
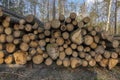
65 41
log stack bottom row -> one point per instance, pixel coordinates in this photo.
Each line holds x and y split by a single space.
64 41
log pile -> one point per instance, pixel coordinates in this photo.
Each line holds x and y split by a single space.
64 41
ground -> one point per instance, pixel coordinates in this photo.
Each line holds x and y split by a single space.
53 72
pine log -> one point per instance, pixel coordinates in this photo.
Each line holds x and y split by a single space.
73 15
80 24
9 59
88 40
98 57
26 38
2 54
9 38
70 27
93 45
82 54
62 55
1 29
92 53
104 63
76 37
92 62
66 62
42 43
80 48
88 57
8 31
17 41
28 27
86 20
59 62
100 50
84 63
47 33
74 22
48 61
39 50
114 55
41 36
24 46
75 62
61 48
73 46
2 38
63 27
68 20
68 51
37 59
107 54
62 18
65 35
32 51
55 24
75 54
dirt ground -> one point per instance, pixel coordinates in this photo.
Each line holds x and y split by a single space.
43 72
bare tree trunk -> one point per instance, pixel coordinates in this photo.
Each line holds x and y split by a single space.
115 32
59 7
48 11
109 12
63 7
35 7
54 9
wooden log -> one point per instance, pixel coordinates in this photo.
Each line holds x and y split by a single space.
73 46
32 19
9 38
8 31
52 50
100 50
92 53
1 46
2 38
93 33
47 40
62 55
112 63
65 46
40 29
32 36
52 40
80 48
68 41
41 36
74 22
24 46
65 35
88 57
55 24
61 48
114 55
84 63
73 15
10 47
92 62
5 23
35 26
69 27
63 27
47 33
93 45
26 38
66 62
61 18
60 41
75 54
59 62
20 57
104 63
37 59
98 29
32 51
17 41
86 20
107 54
45 55
76 37
2 54
22 21
9 59
42 43
68 20
35 32
96 39
98 57
87 49
29 57
75 62
68 51
47 26
82 54
21 27
56 33
80 24
18 33
48 61
39 50
28 27
88 40
83 32
33 44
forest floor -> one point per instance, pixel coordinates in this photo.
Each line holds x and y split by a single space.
53 72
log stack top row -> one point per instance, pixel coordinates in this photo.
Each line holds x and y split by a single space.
64 41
